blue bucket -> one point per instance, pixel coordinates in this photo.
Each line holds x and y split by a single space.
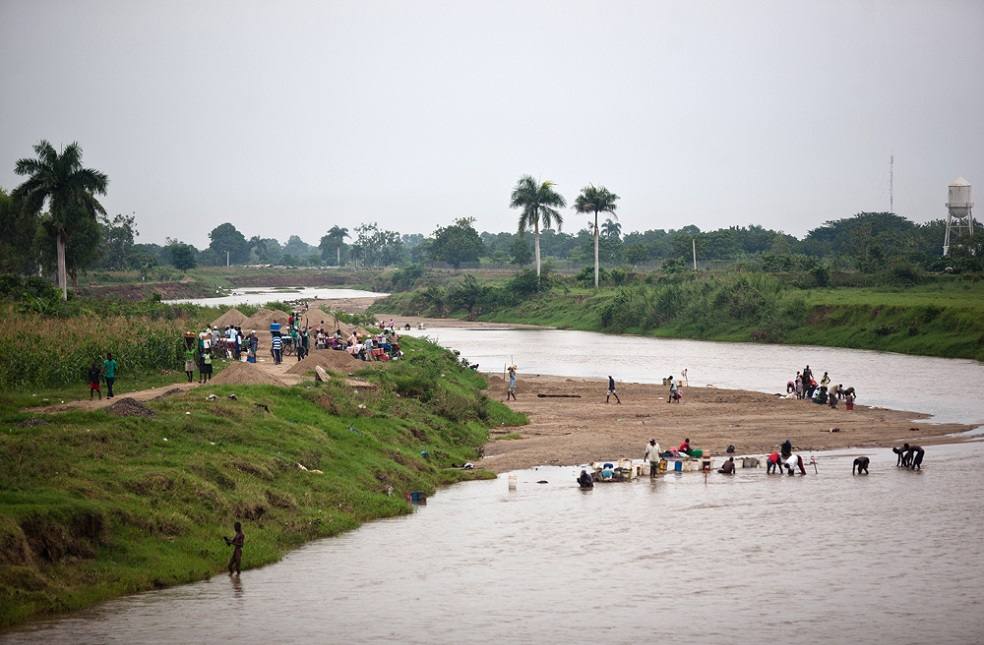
678 466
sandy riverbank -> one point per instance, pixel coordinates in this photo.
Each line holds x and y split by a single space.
566 431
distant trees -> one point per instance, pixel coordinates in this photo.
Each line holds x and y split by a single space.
227 242
182 255
69 189
332 243
17 231
539 203
375 247
118 241
596 199
457 244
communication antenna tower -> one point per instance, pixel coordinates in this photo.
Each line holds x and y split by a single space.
891 184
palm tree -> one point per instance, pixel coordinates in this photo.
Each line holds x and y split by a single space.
338 234
539 202
610 229
67 187
596 200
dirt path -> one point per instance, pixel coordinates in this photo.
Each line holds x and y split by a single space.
566 431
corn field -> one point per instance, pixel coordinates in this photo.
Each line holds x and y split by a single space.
39 351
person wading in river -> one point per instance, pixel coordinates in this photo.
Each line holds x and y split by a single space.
236 542
652 456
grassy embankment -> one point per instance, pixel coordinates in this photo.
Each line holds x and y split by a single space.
94 506
944 318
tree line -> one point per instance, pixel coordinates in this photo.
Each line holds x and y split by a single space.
54 223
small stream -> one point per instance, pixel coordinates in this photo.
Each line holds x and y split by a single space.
264 295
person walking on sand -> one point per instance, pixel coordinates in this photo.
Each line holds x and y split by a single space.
652 456
612 392
674 392
109 374
511 387
236 541
95 375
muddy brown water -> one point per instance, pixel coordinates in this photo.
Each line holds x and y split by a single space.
895 557
950 389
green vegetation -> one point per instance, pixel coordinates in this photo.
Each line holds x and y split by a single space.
94 506
943 317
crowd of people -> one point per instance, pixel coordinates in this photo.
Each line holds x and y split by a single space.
806 387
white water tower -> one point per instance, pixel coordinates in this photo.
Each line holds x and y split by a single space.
960 216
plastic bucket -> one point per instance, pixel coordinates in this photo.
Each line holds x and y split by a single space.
678 466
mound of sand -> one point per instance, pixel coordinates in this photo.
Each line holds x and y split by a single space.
260 321
329 359
231 318
128 407
245 374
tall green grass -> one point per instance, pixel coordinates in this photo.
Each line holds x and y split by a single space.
93 506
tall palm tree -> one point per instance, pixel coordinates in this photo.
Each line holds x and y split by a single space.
338 235
67 187
539 202
596 200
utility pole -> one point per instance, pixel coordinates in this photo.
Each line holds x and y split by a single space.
891 184
227 258
693 245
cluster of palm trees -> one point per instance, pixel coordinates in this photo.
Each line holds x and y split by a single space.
540 203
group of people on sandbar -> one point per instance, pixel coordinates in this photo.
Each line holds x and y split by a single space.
806 387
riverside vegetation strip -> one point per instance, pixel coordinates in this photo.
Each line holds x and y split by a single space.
94 506
944 317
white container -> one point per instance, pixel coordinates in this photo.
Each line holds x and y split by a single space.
512 482
959 197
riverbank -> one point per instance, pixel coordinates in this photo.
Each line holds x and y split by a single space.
577 426
95 505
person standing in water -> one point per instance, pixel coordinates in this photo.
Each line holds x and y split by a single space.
511 387
652 456
236 542
612 392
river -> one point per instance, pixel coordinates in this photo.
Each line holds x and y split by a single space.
949 389
264 295
895 557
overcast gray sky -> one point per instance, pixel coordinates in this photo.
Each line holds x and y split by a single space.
289 117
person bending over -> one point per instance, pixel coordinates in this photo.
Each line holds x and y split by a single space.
860 466
728 468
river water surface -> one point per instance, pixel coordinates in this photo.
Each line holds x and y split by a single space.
895 557
263 295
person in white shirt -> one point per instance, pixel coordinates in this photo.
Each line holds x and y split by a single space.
652 455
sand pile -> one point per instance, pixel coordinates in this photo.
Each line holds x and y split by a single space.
330 359
231 318
245 374
260 321
129 408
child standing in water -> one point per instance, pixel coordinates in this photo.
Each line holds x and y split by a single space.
237 552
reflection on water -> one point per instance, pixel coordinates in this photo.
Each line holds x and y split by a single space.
949 389
263 295
895 557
